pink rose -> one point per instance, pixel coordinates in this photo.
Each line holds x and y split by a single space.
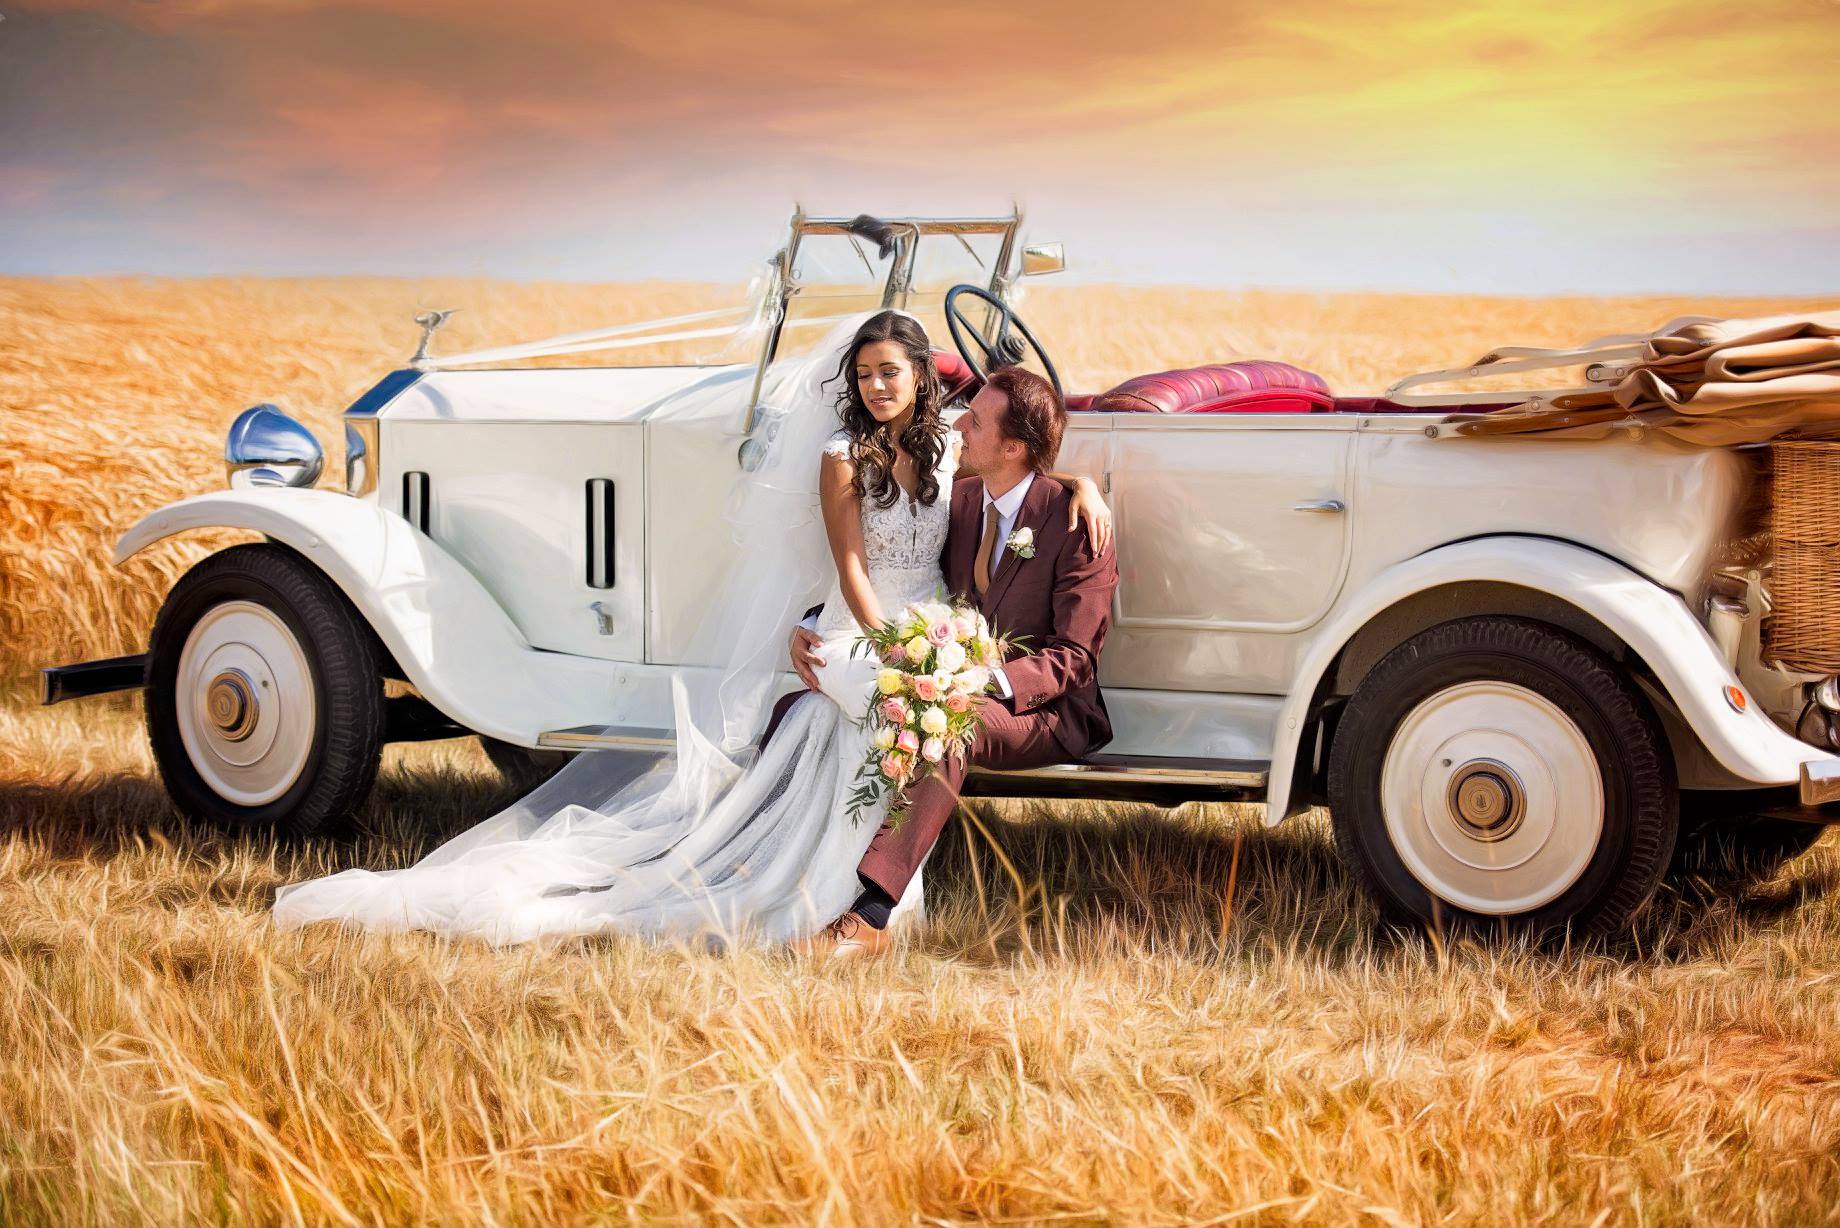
939 632
958 701
908 741
933 750
894 766
895 711
926 688
966 625
893 654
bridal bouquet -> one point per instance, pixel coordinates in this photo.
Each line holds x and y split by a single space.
936 658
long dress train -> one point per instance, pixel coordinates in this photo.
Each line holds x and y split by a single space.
769 856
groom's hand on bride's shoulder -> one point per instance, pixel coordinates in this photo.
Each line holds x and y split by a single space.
805 661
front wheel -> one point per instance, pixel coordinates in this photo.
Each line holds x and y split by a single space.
1496 771
264 694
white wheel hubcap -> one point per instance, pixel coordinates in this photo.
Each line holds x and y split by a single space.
245 703
1492 797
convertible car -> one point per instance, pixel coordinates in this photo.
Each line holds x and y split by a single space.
1524 674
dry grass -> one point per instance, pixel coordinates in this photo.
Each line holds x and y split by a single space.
1179 1018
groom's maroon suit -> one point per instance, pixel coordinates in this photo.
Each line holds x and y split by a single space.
1061 600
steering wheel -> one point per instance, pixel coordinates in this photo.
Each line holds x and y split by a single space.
1003 350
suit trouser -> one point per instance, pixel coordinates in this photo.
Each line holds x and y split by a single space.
1005 742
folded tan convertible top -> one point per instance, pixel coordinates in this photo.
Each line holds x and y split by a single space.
1708 382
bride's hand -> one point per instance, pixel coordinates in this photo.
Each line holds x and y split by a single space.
805 662
1089 505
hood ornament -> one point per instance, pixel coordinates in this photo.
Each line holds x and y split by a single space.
430 321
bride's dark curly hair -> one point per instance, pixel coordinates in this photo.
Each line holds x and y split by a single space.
872 443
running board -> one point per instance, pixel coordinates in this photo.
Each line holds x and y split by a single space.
1161 778
607 737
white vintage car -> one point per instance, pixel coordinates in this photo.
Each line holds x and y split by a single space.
1509 666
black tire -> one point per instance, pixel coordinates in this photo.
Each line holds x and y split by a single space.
1724 841
522 766
1636 771
344 662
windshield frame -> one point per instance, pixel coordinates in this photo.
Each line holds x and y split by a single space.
896 290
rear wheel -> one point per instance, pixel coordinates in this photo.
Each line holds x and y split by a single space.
1500 771
264 694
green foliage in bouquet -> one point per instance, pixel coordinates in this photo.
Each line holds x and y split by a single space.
936 662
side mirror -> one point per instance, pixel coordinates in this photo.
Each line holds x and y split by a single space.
1039 258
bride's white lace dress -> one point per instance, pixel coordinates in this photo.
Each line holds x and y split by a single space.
771 857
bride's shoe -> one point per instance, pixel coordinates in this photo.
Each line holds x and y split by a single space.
848 937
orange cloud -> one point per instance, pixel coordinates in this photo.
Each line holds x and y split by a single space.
1665 114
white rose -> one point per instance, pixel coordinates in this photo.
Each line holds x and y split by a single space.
933 720
942 678
950 657
884 737
974 680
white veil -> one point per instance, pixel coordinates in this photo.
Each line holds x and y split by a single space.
608 810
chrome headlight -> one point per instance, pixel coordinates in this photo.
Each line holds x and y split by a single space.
360 456
265 447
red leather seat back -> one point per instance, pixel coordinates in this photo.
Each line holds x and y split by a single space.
1218 388
954 372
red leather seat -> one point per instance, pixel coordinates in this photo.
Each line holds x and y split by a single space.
1255 387
954 372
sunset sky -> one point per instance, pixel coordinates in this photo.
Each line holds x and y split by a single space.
1478 147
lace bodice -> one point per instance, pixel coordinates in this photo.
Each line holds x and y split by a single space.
901 543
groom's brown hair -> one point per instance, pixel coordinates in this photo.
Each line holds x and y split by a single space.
1035 416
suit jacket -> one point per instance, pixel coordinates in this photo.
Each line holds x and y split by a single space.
1060 599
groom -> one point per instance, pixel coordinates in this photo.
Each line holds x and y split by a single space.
1009 550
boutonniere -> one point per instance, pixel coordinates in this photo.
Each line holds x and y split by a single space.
1022 543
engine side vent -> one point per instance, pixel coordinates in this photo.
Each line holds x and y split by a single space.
600 533
415 499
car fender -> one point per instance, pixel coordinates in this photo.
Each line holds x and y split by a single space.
453 640
1654 622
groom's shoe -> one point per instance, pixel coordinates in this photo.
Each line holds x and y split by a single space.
848 937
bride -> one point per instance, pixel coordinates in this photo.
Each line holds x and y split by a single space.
721 844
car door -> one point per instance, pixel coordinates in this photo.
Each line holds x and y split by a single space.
1233 540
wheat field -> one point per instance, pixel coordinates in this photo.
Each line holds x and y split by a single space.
1112 1013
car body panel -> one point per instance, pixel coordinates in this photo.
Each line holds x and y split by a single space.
450 636
568 530
1655 623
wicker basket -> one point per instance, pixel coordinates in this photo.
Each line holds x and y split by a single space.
1803 629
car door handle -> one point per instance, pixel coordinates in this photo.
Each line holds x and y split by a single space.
1333 507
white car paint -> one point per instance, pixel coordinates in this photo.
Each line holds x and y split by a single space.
1655 623
452 639
466 656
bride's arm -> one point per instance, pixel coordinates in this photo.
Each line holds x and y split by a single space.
1088 505
843 525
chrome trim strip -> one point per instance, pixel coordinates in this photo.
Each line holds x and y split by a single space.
1230 774
1223 774
1820 782
382 393
606 737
